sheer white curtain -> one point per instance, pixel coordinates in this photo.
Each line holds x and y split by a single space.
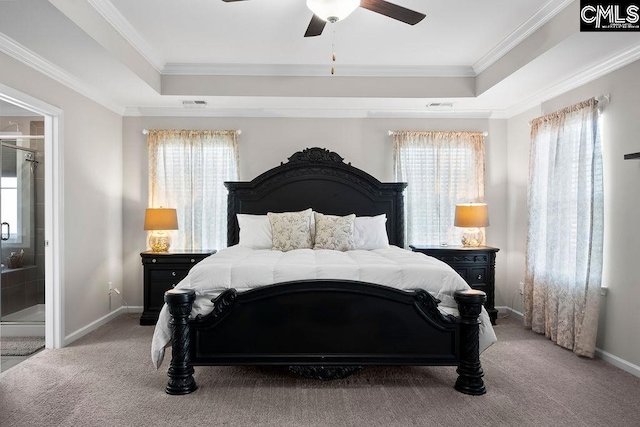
564 242
187 170
442 169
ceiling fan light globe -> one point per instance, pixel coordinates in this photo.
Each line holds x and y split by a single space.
332 10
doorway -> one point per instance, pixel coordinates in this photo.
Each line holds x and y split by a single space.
36 150
22 263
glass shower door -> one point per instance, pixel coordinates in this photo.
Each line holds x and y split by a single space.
22 298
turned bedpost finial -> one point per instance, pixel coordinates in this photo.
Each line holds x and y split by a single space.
469 371
180 370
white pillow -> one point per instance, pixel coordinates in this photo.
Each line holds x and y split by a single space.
291 230
334 232
255 231
371 232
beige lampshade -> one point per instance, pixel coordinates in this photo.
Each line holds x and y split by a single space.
160 219
471 215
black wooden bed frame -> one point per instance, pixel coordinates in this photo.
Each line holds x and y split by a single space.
323 328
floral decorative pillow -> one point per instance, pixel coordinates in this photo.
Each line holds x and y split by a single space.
334 232
291 230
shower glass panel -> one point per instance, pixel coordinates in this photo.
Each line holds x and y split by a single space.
22 298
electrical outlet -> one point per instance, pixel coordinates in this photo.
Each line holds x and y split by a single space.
521 288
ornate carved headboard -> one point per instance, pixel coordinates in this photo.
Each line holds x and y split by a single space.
319 179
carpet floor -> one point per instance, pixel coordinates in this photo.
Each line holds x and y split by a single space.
107 379
20 346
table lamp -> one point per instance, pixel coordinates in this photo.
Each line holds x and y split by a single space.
159 221
471 217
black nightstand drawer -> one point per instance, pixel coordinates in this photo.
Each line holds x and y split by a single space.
163 271
180 259
475 265
477 275
173 275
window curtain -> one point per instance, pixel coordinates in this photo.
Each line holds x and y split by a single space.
187 170
442 169
565 228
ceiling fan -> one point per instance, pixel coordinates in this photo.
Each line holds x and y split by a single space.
333 10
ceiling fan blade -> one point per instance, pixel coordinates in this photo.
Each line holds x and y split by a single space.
315 27
394 11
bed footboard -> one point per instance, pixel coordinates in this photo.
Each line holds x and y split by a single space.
180 370
322 326
469 370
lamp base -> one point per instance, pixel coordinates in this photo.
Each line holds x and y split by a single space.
159 241
472 237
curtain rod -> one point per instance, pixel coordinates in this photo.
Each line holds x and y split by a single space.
392 132
146 131
601 100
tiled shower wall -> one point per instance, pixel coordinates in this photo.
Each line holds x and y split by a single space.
24 287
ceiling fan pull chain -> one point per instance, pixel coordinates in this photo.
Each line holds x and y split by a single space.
333 50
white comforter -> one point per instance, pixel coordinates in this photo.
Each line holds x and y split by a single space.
243 268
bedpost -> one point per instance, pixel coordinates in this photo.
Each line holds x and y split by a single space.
470 371
180 371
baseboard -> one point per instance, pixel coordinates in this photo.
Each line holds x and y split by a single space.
99 322
600 354
510 311
618 362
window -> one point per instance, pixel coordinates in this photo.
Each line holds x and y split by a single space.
565 228
441 169
9 197
17 193
187 171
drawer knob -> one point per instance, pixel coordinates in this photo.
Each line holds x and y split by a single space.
173 273
153 260
479 276
193 260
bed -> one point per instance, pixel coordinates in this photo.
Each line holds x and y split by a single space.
320 324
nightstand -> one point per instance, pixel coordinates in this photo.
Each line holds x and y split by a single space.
476 265
163 271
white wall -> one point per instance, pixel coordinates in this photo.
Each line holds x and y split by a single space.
92 193
619 314
518 172
265 142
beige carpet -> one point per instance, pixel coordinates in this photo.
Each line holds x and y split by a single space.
106 379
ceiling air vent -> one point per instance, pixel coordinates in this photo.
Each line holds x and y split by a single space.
440 106
194 104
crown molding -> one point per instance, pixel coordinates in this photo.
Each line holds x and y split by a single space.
113 16
200 112
314 70
608 65
541 17
427 114
333 113
38 63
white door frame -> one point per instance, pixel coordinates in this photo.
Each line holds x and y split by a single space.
53 210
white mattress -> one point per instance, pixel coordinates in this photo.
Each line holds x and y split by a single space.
243 268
